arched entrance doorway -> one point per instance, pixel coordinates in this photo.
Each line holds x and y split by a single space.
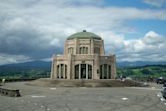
105 71
62 71
83 71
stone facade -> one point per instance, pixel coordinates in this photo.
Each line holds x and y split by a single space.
83 58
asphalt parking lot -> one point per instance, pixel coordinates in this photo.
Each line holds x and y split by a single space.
36 98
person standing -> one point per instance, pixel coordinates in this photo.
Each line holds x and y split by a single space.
3 81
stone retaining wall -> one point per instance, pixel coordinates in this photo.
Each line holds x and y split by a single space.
84 83
9 92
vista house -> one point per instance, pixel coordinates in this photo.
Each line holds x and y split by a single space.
83 58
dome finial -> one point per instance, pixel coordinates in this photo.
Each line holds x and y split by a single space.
84 30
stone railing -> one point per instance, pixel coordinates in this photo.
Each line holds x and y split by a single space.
9 92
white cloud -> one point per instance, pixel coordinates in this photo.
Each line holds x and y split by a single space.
152 38
156 3
113 42
148 48
38 28
10 59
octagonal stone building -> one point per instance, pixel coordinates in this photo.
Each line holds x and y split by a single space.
84 58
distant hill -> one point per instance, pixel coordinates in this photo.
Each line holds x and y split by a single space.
153 71
138 63
32 64
27 69
44 64
38 69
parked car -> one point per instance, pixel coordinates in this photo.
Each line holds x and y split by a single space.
164 92
161 80
164 85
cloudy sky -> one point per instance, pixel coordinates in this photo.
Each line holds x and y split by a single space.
134 30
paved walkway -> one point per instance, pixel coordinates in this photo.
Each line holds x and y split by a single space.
83 99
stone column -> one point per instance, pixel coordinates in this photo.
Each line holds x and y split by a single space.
102 72
96 67
59 73
86 71
92 47
54 68
107 71
69 66
52 71
113 67
79 76
102 51
75 48
82 50
64 72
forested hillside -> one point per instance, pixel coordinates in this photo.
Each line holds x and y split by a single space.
42 69
27 70
143 71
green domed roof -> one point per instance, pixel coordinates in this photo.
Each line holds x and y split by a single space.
84 35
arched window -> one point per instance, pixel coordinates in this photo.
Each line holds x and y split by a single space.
62 71
86 50
97 50
83 50
105 71
76 71
83 71
70 50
